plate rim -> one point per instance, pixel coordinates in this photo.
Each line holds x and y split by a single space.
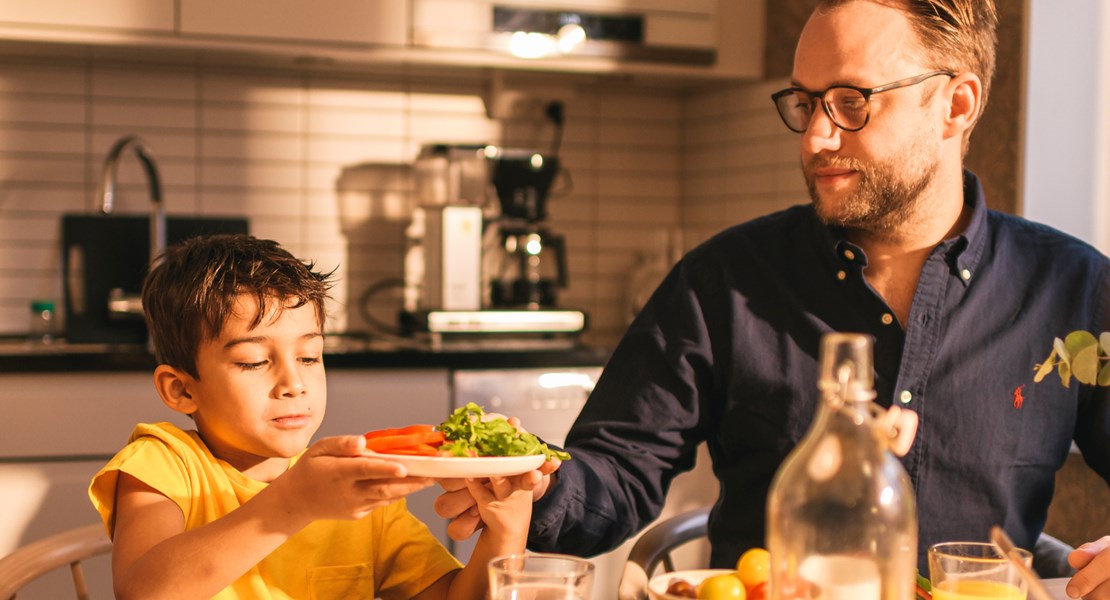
428 464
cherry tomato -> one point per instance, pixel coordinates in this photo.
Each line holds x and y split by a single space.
682 588
754 567
759 591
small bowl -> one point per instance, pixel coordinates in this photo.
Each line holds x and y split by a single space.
657 586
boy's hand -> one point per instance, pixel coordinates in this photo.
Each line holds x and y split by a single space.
505 507
457 503
335 479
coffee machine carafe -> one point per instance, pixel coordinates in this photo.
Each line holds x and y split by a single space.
527 260
533 267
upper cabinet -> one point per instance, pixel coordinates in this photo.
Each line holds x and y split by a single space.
102 15
332 21
693 39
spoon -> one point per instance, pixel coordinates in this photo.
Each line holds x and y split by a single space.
1005 546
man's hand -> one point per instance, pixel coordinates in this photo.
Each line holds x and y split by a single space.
457 504
1092 581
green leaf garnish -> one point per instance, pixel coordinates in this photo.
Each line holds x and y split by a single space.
470 433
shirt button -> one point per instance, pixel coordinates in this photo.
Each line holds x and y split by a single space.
888 318
841 275
849 255
905 397
966 274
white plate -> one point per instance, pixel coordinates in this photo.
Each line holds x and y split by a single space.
462 466
657 587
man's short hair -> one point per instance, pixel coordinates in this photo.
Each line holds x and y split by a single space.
955 35
190 292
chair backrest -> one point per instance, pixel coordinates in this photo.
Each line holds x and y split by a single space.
30 562
655 547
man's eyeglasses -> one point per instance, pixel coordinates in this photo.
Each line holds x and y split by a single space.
848 107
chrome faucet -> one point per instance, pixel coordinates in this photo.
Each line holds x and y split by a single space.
120 304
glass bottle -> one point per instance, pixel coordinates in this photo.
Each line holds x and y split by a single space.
841 519
42 322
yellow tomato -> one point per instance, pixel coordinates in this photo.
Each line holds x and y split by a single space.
754 567
722 587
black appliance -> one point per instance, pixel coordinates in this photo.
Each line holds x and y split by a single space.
107 255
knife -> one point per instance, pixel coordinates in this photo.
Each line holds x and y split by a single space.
1005 546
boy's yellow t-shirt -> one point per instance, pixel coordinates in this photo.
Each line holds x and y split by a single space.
388 553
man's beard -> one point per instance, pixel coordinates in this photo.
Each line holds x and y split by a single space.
887 196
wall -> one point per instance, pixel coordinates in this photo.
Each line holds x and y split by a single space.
739 160
1067 140
300 155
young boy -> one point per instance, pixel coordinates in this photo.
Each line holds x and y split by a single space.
239 508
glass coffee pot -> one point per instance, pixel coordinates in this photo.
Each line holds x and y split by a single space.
526 261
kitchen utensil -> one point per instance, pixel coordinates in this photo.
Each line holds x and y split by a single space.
1005 546
531 269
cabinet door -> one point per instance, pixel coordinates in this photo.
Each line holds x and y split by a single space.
150 15
342 21
77 414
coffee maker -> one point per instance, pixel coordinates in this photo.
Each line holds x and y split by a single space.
523 267
527 260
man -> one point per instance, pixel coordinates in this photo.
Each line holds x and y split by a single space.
898 243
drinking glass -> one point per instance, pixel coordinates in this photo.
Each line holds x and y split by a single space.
975 570
538 576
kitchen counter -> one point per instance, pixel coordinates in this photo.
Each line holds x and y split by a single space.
340 352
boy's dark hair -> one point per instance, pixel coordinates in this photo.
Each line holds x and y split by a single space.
189 293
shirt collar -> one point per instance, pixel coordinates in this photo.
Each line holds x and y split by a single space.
962 252
965 251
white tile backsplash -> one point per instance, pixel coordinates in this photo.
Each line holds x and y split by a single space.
40 77
54 110
235 117
301 155
144 114
170 83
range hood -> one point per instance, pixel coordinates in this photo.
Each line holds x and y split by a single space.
634 30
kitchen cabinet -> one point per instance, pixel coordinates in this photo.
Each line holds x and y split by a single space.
337 21
120 15
422 36
60 429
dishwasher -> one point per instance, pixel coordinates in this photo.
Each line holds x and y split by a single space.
547 401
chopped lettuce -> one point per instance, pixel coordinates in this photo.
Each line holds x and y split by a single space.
468 433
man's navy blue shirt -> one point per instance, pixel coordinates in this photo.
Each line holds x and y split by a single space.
725 352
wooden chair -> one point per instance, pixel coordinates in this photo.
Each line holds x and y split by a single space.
30 562
655 547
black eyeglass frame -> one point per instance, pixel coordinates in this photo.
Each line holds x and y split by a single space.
865 92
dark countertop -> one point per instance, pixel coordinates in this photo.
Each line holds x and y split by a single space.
341 352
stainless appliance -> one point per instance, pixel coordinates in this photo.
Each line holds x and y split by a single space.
547 401
445 268
515 263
